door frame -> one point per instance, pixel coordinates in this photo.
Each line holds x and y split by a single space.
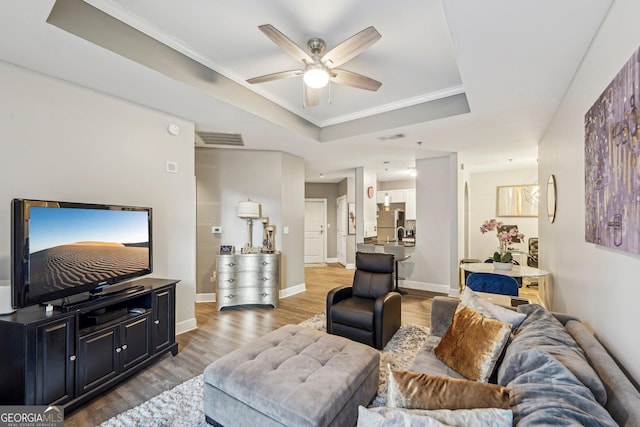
324 223
341 221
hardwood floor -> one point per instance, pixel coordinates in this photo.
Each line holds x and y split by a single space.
219 333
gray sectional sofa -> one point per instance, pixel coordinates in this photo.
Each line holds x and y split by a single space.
556 370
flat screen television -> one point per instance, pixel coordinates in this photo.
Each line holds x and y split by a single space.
61 249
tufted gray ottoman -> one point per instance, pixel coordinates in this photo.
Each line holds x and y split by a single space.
292 376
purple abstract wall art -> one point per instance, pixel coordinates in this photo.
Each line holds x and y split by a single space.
612 163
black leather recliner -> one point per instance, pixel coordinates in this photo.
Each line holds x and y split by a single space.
368 311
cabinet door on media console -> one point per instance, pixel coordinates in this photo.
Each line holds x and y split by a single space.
107 352
136 341
55 364
164 323
97 359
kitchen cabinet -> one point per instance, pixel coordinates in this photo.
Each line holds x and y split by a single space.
395 196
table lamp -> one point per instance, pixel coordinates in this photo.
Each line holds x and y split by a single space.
249 211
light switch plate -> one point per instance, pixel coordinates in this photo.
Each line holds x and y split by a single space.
285 230
171 167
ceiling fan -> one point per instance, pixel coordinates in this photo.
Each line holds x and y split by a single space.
319 69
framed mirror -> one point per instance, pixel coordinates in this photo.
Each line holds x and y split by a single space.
517 200
551 198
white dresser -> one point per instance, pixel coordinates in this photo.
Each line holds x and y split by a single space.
248 279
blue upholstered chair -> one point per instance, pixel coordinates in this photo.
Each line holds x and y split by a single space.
493 283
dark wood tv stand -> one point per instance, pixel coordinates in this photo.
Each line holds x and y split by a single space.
70 356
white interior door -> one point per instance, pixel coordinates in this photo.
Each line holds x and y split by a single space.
314 230
341 230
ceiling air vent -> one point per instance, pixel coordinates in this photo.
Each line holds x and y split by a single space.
392 137
211 139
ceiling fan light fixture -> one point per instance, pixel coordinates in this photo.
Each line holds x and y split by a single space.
316 77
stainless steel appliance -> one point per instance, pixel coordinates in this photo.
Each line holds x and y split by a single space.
388 223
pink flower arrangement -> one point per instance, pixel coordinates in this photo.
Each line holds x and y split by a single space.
505 237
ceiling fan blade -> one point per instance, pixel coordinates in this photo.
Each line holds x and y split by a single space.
276 76
351 47
286 44
313 96
350 78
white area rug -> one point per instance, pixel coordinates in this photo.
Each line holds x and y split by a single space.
182 405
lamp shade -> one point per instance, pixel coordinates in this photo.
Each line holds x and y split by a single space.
249 210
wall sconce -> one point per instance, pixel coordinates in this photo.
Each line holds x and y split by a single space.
386 201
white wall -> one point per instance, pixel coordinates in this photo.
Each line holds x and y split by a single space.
369 205
482 206
292 213
434 260
59 141
592 282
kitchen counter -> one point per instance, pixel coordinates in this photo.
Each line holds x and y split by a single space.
381 242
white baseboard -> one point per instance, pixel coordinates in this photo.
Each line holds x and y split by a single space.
209 297
293 290
332 260
350 266
424 286
186 326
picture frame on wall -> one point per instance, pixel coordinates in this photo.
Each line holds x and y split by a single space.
351 219
517 200
611 152
227 250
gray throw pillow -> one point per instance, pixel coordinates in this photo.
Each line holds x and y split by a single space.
541 330
544 392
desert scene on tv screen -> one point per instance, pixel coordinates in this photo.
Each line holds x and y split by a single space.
70 247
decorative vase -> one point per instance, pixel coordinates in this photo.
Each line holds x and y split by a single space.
502 265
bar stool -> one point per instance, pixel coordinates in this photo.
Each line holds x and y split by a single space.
398 256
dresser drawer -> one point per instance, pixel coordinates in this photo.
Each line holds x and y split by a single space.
248 262
247 279
242 296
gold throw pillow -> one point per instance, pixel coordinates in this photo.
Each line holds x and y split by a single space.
472 344
413 390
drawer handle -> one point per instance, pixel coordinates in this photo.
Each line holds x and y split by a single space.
264 294
264 263
157 322
118 350
229 296
72 357
264 279
124 347
231 264
230 280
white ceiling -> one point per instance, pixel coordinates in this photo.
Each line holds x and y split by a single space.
513 60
